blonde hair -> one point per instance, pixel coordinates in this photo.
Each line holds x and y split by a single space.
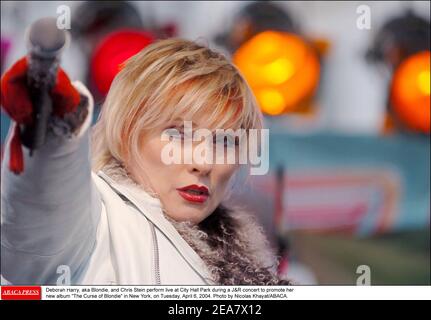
170 79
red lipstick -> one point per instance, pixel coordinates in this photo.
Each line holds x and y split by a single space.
194 193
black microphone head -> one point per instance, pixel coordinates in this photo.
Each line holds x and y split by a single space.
45 39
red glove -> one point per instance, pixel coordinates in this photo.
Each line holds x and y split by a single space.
15 101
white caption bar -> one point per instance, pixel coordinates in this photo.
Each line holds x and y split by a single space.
235 292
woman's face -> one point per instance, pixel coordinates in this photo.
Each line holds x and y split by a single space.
188 191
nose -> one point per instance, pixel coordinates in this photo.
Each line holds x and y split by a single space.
203 169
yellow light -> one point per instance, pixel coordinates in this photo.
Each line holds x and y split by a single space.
271 101
278 71
281 68
424 82
410 91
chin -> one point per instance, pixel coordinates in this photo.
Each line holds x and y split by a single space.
189 214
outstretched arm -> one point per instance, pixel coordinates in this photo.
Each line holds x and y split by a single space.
50 212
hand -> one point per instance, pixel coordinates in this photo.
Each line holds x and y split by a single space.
16 102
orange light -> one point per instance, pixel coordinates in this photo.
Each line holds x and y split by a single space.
281 68
410 91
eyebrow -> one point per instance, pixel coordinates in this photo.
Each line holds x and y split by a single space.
182 121
196 126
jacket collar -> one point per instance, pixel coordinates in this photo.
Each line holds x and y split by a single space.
151 208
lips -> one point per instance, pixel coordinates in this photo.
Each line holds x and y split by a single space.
194 193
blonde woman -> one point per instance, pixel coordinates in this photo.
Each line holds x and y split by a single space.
122 216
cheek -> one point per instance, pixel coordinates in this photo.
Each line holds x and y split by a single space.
223 175
148 166
152 153
151 150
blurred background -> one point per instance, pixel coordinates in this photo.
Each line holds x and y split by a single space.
345 90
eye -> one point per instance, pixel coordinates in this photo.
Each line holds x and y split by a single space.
227 140
174 133
177 132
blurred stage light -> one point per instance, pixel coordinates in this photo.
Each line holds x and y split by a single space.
410 91
113 50
403 45
92 24
254 18
281 68
93 20
109 32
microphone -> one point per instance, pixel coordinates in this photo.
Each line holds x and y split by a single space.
45 43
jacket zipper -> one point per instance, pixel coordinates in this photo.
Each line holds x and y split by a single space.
156 265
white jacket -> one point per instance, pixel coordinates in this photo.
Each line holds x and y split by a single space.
60 221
